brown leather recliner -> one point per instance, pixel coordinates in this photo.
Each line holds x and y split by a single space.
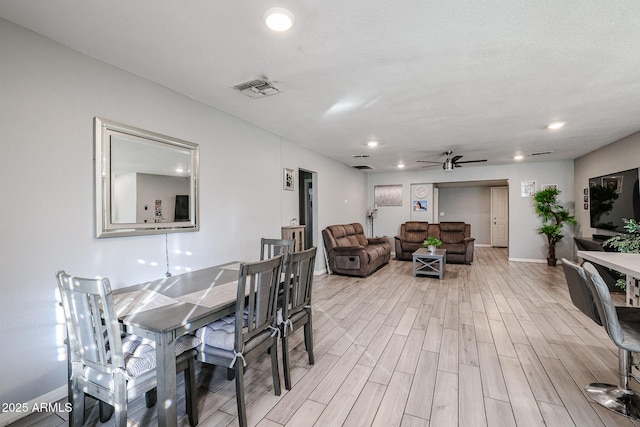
351 253
412 234
456 239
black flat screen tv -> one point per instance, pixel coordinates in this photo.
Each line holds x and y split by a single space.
612 198
182 208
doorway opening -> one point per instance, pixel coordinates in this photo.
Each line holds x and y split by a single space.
483 204
307 205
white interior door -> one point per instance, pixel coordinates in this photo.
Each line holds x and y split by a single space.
500 217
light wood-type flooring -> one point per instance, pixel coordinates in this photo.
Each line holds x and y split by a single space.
497 343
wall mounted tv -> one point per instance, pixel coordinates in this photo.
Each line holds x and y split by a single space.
612 198
182 208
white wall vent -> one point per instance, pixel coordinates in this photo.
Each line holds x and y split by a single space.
541 153
257 88
362 167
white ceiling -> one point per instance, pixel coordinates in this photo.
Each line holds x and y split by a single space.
480 78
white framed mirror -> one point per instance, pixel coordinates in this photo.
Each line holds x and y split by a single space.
146 183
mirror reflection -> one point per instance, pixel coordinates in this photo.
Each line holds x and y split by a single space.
146 182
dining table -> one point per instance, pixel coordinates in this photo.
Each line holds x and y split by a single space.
625 263
165 309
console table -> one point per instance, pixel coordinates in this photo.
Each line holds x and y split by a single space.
628 264
294 232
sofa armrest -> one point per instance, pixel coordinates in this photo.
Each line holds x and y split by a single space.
378 240
467 240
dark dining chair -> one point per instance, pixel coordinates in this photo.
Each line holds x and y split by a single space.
274 247
107 366
579 290
296 305
237 339
623 327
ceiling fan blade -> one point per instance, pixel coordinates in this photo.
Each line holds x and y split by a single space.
472 161
428 161
455 159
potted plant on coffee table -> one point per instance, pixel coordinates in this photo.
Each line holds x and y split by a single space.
431 243
553 216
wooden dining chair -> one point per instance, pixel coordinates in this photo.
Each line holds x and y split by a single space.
107 366
296 305
274 247
240 338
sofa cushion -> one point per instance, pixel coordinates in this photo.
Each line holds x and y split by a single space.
452 232
454 248
348 235
376 251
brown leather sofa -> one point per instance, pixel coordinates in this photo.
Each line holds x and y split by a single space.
456 239
351 253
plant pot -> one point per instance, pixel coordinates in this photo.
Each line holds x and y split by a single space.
551 262
431 248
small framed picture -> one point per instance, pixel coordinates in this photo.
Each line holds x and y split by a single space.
287 179
586 206
527 188
612 182
586 199
419 205
586 191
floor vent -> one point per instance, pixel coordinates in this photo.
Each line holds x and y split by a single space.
362 167
257 88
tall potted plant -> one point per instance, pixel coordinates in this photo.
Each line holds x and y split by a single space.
553 216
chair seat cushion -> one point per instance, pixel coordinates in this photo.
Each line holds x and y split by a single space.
139 358
220 333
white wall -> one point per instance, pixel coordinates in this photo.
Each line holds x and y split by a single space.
618 156
50 95
524 241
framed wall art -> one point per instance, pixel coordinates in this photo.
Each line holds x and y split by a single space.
527 188
387 195
287 179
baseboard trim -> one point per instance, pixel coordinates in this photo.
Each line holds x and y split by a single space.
51 397
534 260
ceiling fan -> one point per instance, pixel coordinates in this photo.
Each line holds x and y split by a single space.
451 162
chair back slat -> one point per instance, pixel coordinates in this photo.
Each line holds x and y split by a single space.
299 273
270 248
256 305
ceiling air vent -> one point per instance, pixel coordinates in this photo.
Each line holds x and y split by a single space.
362 167
541 153
257 88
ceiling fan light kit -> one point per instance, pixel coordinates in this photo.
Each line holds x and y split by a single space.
451 163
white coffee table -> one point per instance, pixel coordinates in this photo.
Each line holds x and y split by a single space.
427 263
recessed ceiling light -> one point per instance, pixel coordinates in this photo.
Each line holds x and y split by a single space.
372 143
518 157
400 165
279 19
555 125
